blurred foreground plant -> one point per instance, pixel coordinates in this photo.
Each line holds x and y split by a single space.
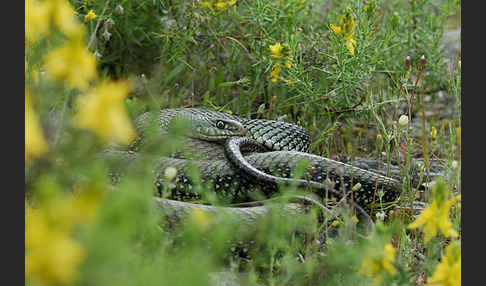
436 216
53 255
80 233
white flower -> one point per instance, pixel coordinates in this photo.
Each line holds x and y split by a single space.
97 55
454 164
429 185
109 23
380 216
119 9
106 35
170 173
403 120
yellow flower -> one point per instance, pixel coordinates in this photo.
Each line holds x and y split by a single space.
346 29
433 133
274 76
346 24
90 16
201 218
355 219
102 112
64 18
435 217
217 5
220 6
52 257
274 100
85 203
448 271
231 3
335 223
288 64
35 144
350 43
56 261
389 258
36 228
336 29
72 63
37 17
282 55
276 50
377 265
206 4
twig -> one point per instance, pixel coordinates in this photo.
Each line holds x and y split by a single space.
353 108
324 97
93 35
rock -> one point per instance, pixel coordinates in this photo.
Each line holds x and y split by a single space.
452 45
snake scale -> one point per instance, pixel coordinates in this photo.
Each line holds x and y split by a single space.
240 157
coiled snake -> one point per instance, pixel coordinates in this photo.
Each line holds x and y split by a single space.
241 157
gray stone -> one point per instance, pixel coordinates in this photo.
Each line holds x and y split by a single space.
452 43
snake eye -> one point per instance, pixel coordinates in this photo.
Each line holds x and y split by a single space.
220 124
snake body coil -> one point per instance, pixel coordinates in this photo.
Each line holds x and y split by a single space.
238 180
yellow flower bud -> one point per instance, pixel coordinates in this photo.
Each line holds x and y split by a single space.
433 133
379 142
201 218
335 223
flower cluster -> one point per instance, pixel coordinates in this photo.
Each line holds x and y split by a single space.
71 63
52 255
90 16
101 110
435 217
283 57
41 15
346 29
448 272
35 144
379 263
218 5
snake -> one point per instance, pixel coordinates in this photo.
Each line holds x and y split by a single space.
243 159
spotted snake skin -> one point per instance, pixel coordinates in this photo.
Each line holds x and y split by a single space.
233 185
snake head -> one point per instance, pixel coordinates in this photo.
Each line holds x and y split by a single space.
216 129
206 127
